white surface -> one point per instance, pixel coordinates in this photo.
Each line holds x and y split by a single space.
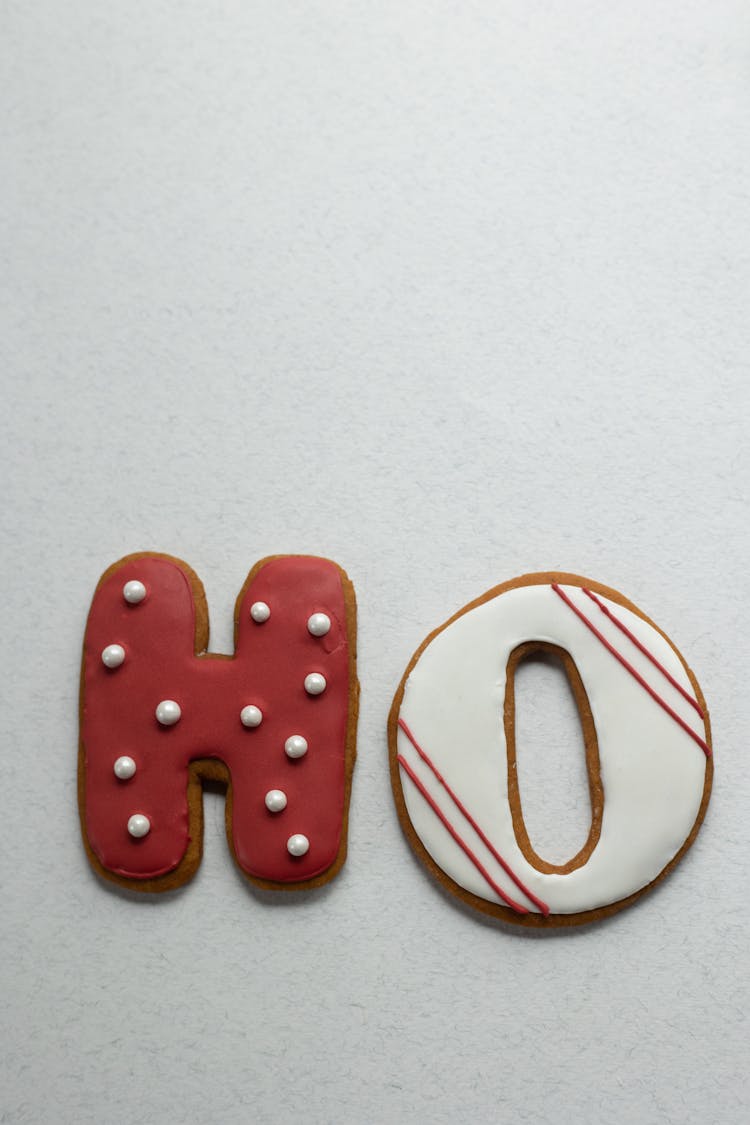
448 292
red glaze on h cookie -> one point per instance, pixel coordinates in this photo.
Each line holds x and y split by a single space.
276 721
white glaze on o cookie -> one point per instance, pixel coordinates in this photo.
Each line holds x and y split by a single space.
451 743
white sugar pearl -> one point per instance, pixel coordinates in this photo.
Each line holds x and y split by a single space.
168 712
298 844
296 746
315 683
113 656
260 612
139 825
318 624
124 768
251 716
275 800
134 592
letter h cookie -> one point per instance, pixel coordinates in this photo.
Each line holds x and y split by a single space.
276 722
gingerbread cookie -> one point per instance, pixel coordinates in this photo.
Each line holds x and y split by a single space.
276 722
452 750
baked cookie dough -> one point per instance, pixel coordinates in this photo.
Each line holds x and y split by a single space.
275 722
453 762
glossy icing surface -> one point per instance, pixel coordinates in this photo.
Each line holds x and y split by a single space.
652 742
132 713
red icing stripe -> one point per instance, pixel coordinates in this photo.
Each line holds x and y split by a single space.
267 670
642 648
629 668
461 843
465 812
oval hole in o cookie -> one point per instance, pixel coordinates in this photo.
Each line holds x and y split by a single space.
548 753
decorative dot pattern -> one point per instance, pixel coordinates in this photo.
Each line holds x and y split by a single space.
139 826
298 844
251 716
275 800
134 592
124 768
295 746
168 712
113 656
260 612
318 624
276 714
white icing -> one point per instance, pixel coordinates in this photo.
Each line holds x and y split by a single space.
113 656
168 712
295 746
124 768
275 800
315 683
298 844
652 771
134 592
251 716
259 612
139 825
319 624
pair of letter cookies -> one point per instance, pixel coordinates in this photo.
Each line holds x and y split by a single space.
276 722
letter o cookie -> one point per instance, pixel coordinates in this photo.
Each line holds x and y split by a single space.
452 750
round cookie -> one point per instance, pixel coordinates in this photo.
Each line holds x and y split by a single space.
453 764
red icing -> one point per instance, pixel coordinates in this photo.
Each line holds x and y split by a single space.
268 669
465 812
635 674
642 648
482 836
459 840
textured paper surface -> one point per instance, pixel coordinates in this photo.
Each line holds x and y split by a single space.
449 293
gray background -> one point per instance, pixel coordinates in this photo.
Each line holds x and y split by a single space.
447 292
